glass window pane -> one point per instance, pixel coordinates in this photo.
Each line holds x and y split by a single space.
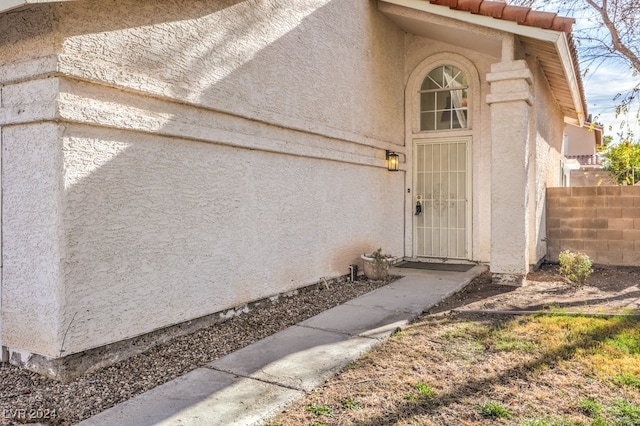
427 102
449 107
431 81
457 99
428 121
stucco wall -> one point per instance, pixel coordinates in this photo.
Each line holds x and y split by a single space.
32 285
547 138
27 34
206 156
258 59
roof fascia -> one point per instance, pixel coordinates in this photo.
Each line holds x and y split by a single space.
566 59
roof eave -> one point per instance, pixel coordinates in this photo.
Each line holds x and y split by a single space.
473 18
568 57
560 40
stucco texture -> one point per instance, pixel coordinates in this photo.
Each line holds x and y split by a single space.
166 230
174 161
32 284
546 158
196 158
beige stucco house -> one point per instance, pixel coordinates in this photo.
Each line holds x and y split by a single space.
164 161
582 164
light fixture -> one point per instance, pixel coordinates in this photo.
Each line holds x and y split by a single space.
393 161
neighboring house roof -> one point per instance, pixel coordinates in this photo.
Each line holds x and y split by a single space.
543 35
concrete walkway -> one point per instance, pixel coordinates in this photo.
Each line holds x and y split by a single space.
257 382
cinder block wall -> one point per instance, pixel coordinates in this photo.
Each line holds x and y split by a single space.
603 222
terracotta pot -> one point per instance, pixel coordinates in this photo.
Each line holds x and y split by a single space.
375 270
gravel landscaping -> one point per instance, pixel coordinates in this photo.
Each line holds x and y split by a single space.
27 397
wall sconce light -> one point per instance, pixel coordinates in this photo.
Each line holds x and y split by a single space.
393 161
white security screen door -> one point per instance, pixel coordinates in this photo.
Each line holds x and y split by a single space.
441 222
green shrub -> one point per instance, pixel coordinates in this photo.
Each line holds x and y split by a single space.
576 267
622 161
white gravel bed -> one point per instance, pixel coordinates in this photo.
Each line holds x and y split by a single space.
27 397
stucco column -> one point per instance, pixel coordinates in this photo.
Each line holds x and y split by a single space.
32 234
510 102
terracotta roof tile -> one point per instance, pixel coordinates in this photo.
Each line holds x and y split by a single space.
540 19
492 8
516 13
563 24
472 6
521 15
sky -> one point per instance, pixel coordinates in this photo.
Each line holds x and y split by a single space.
601 86
603 81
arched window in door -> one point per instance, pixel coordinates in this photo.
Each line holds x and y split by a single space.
443 99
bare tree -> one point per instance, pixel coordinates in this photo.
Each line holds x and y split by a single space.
608 29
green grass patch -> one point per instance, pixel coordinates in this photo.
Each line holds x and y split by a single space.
466 330
626 342
602 347
626 413
551 422
512 344
411 397
351 404
590 407
493 410
425 390
628 380
320 410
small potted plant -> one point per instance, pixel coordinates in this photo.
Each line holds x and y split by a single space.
376 265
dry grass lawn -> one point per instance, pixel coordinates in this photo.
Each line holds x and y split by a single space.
466 369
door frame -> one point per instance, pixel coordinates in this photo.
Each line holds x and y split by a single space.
413 132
